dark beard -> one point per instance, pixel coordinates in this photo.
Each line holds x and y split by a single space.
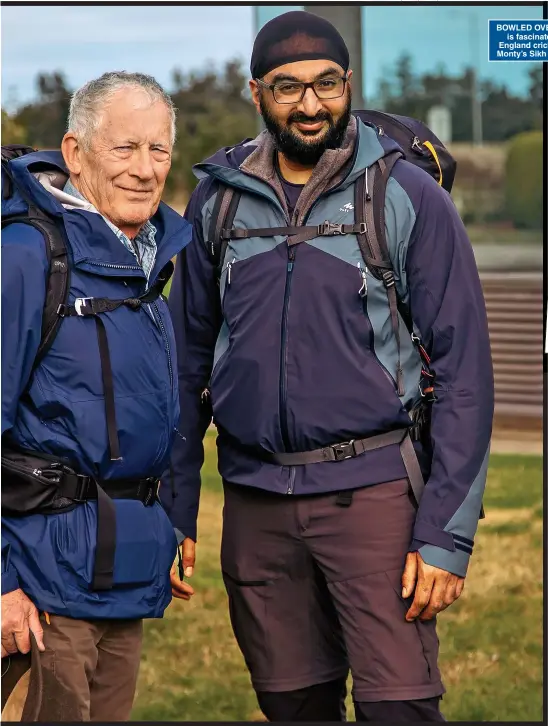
296 149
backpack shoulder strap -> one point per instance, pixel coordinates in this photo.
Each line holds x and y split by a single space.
222 217
57 282
370 197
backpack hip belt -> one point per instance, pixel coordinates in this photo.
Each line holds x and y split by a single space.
356 447
35 484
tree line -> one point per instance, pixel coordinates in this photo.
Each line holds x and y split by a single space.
214 109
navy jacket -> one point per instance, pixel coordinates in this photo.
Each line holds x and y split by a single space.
295 358
60 410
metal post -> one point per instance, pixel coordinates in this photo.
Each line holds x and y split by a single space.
477 111
347 20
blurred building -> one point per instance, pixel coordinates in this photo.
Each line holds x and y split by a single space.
452 39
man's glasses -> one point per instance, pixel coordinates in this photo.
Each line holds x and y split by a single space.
293 91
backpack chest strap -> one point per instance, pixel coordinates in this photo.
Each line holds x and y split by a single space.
93 307
296 234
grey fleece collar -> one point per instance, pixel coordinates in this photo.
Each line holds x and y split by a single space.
328 172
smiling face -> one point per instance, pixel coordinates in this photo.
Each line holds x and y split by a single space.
303 130
123 170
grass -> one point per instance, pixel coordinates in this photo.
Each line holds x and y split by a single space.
491 639
503 234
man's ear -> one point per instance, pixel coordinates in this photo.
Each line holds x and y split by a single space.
71 150
254 88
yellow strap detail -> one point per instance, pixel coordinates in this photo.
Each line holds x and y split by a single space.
433 152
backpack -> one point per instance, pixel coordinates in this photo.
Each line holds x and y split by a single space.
422 148
57 282
56 306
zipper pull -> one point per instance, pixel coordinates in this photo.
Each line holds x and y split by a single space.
229 267
291 258
416 145
362 292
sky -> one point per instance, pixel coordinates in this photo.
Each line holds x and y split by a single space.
85 41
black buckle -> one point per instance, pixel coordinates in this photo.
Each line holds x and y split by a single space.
152 492
346 450
83 487
328 228
80 493
388 278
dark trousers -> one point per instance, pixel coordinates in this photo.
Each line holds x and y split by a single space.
314 592
325 702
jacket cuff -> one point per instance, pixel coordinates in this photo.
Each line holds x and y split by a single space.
455 562
10 582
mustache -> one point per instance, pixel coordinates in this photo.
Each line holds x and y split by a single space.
299 117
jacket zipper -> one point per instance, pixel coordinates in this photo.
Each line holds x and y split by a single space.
115 267
389 378
291 485
166 342
283 353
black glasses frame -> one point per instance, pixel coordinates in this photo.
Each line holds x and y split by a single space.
305 87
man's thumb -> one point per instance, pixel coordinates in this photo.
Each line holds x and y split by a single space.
36 628
409 576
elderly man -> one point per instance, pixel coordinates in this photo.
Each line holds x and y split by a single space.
89 419
329 561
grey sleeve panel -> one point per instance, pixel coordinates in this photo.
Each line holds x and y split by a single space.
463 524
399 222
221 346
455 562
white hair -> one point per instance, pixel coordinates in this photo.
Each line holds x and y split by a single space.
87 102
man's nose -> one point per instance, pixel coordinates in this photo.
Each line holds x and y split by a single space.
141 164
310 104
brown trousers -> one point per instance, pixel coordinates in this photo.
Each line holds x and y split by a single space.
97 661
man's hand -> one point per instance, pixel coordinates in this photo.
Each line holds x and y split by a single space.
435 589
19 617
181 589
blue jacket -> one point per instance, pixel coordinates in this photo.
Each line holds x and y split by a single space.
296 359
62 411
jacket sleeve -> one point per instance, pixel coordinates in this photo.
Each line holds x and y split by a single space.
195 309
24 269
9 575
448 308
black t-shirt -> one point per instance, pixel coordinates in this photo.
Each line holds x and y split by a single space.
292 193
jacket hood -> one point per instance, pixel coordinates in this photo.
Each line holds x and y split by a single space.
226 164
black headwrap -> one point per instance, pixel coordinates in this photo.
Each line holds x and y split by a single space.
296 36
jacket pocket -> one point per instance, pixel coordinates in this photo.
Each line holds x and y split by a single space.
145 544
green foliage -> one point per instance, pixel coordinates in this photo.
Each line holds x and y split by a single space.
215 110
12 132
524 185
45 119
504 115
212 112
